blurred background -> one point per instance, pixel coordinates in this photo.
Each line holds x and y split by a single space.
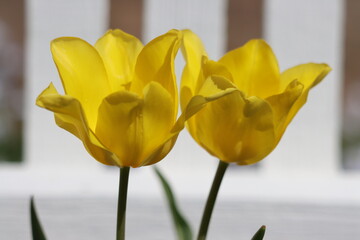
308 188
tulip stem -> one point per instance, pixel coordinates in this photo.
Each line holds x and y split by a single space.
205 221
121 213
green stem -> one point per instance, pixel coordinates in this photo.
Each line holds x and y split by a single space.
205 221
121 213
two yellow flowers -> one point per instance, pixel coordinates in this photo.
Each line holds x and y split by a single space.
121 98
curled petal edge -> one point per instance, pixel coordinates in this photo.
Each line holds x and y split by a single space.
323 70
282 104
70 116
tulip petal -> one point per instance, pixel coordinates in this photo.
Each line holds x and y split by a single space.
235 128
158 119
135 128
119 52
281 105
69 116
155 63
215 84
196 103
193 51
254 68
82 73
163 149
212 68
308 75
119 126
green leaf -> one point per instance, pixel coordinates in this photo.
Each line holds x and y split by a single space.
37 232
259 235
182 227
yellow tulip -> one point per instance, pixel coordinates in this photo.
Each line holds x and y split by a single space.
247 124
120 97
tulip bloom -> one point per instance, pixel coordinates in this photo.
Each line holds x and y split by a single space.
120 97
245 125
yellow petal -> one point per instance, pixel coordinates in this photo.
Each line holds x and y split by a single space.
193 51
308 75
235 129
82 73
119 52
119 126
133 128
212 68
159 116
215 84
281 105
69 116
254 69
155 63
162 150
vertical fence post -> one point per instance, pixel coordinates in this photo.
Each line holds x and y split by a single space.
302 31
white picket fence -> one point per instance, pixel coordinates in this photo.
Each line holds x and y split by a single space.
304 167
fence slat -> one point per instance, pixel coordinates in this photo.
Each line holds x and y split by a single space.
302 31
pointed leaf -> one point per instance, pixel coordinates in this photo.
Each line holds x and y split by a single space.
182 227
37 232
259 235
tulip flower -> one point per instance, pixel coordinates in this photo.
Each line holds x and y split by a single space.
120 96
247 123
245 126
120 100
